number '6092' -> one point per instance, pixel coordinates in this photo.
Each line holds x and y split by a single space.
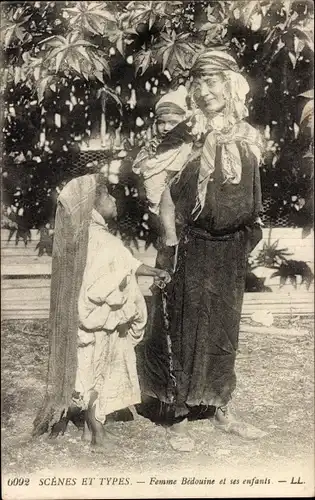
18 481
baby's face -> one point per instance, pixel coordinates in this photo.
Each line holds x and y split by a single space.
165 123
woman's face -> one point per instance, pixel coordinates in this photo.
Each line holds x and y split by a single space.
209 93
166 122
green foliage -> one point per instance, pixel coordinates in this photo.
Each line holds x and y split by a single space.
66 63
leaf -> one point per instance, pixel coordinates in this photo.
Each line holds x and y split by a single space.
8 36
53 53
79 53
298 45
119 35
83 52
104 92
305 34
59 58
54 41
120 44
142 60
145 12
175 50
94 26
73 37
85 75
248 10
292 59
73 62
166 57
309 94
271 36
307 112
152 18
83 43
13 27
212 34
41 87
309 154
105 14
287 6
100 63
99 75
256 21
180 59
306 231
91 15
264 9
97 63
36 73
17 75
206 27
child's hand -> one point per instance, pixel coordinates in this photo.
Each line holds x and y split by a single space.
259 222
162 278
170 240
152 147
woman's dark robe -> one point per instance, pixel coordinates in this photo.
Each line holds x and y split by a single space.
189 363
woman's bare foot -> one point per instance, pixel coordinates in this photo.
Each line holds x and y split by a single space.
226 420
179 438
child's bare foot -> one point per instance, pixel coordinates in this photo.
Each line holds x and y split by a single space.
103 443
101 440
87 433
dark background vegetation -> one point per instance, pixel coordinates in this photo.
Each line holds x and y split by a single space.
72 59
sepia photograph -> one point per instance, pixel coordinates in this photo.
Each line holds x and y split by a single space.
157 249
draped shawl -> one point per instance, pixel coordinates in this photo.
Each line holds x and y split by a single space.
75 204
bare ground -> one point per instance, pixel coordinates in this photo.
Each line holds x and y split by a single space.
274 392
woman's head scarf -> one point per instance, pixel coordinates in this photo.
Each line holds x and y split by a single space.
226 128
236 88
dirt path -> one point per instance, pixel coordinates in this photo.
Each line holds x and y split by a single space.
274 392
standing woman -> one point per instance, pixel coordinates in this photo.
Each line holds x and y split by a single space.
188 361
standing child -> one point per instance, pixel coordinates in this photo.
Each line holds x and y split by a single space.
98 313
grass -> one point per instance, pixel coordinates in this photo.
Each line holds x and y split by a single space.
274 392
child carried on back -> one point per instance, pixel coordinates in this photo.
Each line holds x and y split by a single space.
165 155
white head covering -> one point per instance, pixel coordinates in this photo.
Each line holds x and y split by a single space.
173 102
212 62
226 128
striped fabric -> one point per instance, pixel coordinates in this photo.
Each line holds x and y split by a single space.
231 161
173 102
213 61
169 108
228 127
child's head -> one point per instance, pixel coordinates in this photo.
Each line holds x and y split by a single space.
170 110
166 122
104 202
